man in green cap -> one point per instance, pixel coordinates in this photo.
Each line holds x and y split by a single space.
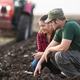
64 49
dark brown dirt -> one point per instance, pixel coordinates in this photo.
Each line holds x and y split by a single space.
15 62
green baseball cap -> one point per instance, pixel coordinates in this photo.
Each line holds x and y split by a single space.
54 14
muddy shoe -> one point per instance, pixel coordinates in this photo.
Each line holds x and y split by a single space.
62 76
50 76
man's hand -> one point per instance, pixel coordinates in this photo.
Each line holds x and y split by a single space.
38 68
38 55
47 54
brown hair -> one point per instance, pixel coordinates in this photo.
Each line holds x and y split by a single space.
59 18
42 18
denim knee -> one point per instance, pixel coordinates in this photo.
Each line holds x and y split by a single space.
34 63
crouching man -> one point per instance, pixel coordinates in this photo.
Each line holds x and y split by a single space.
65 46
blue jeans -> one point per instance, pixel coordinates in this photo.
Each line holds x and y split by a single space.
48 64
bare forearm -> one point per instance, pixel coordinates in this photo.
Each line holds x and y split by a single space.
56 48
52 44
42 59
64 46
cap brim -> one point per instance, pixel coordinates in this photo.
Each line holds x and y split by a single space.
47 20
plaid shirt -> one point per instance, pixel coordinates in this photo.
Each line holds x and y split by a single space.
42 41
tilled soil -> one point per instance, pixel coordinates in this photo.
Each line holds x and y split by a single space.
16 59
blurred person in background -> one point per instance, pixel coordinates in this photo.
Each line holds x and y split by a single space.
44 37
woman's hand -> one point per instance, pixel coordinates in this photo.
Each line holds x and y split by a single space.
38 69
38 55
